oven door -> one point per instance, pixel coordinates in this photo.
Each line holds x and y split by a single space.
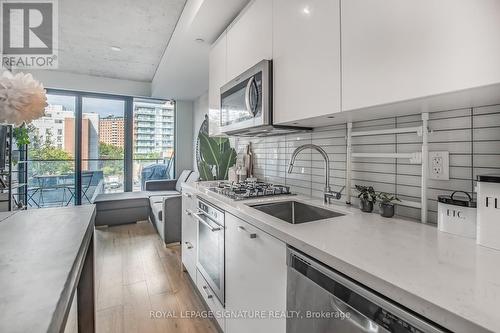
245 101
211 252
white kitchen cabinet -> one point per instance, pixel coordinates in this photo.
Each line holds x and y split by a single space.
249 38
189 233
395 50
255 277
306 59
213 302
217 78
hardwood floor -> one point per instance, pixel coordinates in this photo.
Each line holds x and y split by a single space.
136 274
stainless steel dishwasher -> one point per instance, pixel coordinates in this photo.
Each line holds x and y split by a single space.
320 300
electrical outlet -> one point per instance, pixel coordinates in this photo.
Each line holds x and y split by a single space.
439 165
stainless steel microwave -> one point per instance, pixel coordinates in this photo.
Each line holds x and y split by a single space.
246 104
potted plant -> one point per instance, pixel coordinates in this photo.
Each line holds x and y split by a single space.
216 157
387 204
367 197
22 139
21 135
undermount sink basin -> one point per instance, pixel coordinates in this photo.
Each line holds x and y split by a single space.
295 212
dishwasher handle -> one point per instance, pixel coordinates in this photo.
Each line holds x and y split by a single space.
355 317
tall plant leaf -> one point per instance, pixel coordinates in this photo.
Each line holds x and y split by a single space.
228 159
205 171
224 144
209 150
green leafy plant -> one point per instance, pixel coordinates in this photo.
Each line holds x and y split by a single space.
366 193
21 135
217 157
387 198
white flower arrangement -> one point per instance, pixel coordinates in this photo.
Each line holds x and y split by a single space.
22 99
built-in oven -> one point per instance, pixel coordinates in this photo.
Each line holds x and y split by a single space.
211 246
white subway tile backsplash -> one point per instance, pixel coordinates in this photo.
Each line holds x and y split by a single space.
472 136
487 161
450 114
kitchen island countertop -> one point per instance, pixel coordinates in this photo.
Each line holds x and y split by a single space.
45 255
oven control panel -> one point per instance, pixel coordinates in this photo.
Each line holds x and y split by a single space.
211 211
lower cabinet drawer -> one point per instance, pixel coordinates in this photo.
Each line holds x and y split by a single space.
188 252
189 244
211 300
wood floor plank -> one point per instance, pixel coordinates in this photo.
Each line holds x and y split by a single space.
110 320
135 275
137 307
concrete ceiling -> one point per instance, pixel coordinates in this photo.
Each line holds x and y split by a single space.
183 71
141 28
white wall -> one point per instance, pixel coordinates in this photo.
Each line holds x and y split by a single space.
183 70
183 136
199 112
89 83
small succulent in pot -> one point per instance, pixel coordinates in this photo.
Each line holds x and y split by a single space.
367 197
387 204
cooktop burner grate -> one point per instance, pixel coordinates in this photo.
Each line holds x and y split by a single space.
250 190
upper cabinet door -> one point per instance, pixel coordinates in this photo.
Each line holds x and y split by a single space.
217 78
249 38
396 50
306 59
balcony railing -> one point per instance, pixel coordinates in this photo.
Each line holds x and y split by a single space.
51 183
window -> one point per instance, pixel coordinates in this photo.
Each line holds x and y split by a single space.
103 155
82 147
51 162
149 133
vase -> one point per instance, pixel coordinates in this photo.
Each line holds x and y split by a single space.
386 210
366 206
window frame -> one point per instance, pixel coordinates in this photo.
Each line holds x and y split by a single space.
128 139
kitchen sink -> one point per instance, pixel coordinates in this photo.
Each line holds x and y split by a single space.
295 212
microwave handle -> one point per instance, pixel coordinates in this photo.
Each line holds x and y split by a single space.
247 96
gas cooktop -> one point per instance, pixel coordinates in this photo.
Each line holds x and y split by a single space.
249 190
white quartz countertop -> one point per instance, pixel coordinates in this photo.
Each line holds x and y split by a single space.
445 278
42 252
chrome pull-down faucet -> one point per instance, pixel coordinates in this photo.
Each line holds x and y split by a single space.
328 193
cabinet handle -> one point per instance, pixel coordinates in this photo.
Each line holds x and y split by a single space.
187 195
188 212
189 245
205 289
250 234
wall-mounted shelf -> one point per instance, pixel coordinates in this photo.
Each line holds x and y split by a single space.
400 130
421 157
415 158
